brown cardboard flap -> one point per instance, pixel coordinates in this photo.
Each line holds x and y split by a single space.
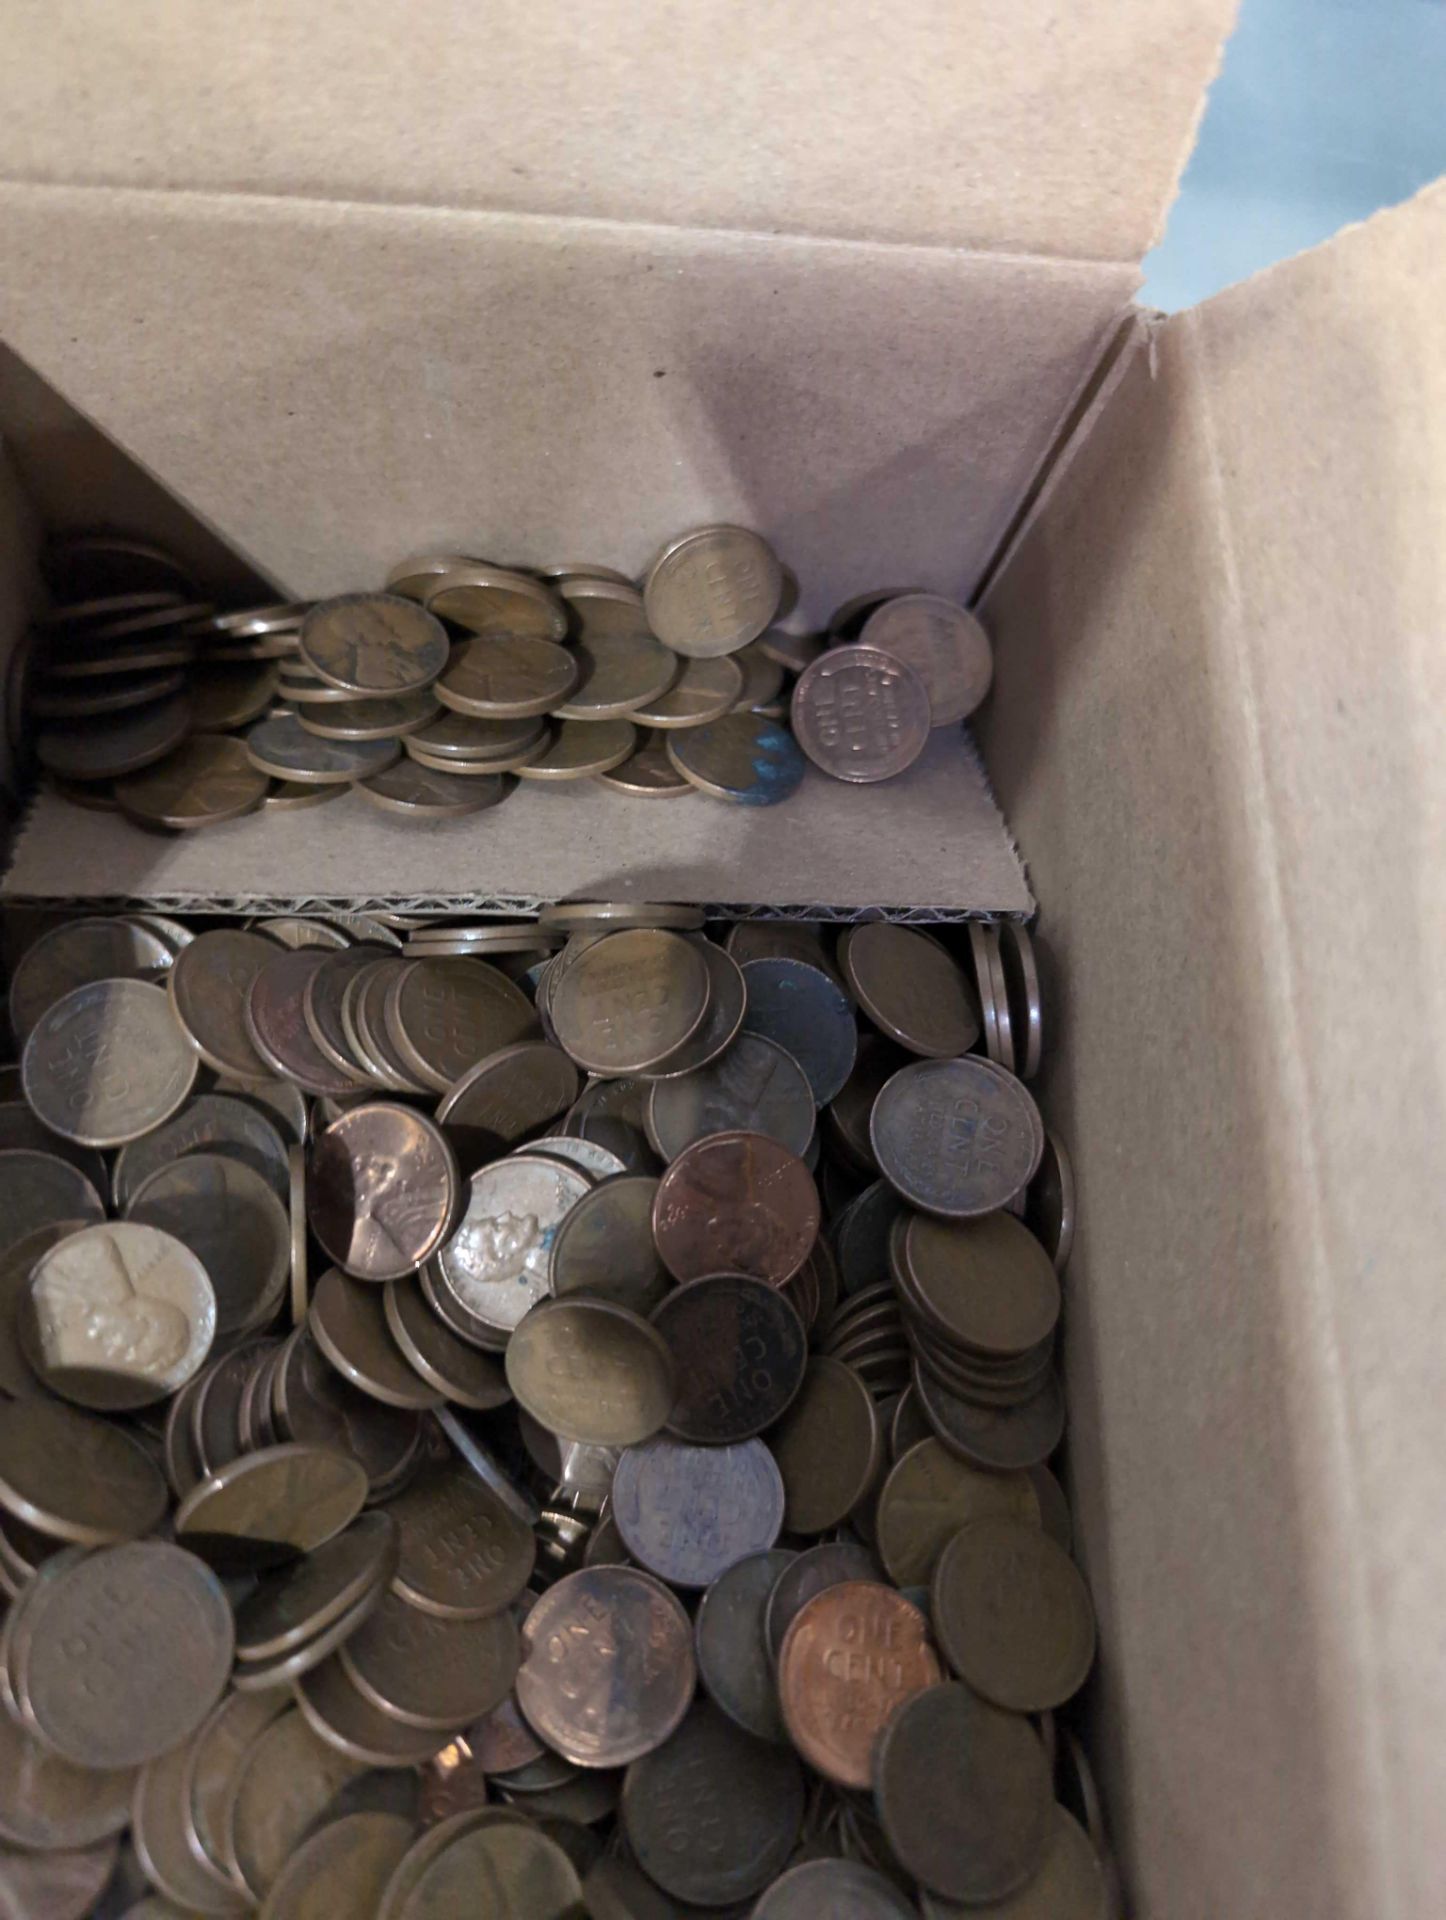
929 845
333 388
1014 124
1218 730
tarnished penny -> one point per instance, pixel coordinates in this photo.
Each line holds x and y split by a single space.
374 718
731 1649
507 676
860 715
956 1137
604 1246
344 1717
428 1672
117 1316
447 1363
444 1015
945 645
711 1815
1050 1204
113 744
203 781
704 690
466 744
107 1062
213 1758
617 674
323 992
929 1495
687 1512
1071 1883
591 1370
1013 1614
850 1660
285 1780
530 1876
420 792
75 954
364 1027
829 1447
162 1843
964 1795
487 599
745 758
991 1436
343 1868
226 695
803 1010
46 1803
727 998
577 749
497 1262
629 1000
276 1023
348 1322
17 1380
465 1554
125 1653
739 1353
211 1123
74 1477
65 1885
607 1669
842 1889
608 1114
210 985
736 1203
291 1605
712 590
39 1190
417 577
810 1572
314 1404
754 1086
985 1283
647 773
911 988
383 1190
375 643
232 1221
282 747
271 1504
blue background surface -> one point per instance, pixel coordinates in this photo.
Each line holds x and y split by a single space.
1324 111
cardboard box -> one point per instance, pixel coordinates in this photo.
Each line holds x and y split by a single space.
305 289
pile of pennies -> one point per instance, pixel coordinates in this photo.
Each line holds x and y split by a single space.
535 1419
435 696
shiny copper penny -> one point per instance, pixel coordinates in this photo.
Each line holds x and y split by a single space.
736 1203
592 1371
383 1189
629 1000
607 1669
850 1659
860 715
739 1353
964 1795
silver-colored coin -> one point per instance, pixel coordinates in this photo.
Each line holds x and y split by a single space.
210 1123
712 590
860 715
378 717
107 1063
230 1218
686 1513
282 747
803 1010
76 953
945 645
496 1264
374 643
754 1087
595 1160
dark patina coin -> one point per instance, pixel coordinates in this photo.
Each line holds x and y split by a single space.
806 1012
733 1661
739 1351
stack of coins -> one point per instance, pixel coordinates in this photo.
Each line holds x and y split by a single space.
436 695
559 1406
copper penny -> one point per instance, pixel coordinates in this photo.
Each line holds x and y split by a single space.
809 1572
162 1843
464 1553
999 1437
736 1203
487 599
272 1504
860 715
506 1096
373 643
1013 1614
986 1284
846 1889
604 1246
46 1803
383 1190
232 1221
911 987
445 1361
64 1885
209 1123
956 1137
803 1009
443 1015
755 1085
341 1715
213 1757
106 1063
348 1322
945 645
74 954
739 1353
125 1653
210 985
629 1000
687 1512
285 1781
75 1477
712 590
607 1669
276 1024
732 1652
428 1672
291 1605
38 1191
507 676
829 1447
929 1495
744 758
314 1404
592 1371
964 1795
850 1659
727 998
342 1868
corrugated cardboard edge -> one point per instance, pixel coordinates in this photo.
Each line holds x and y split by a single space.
1220 737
